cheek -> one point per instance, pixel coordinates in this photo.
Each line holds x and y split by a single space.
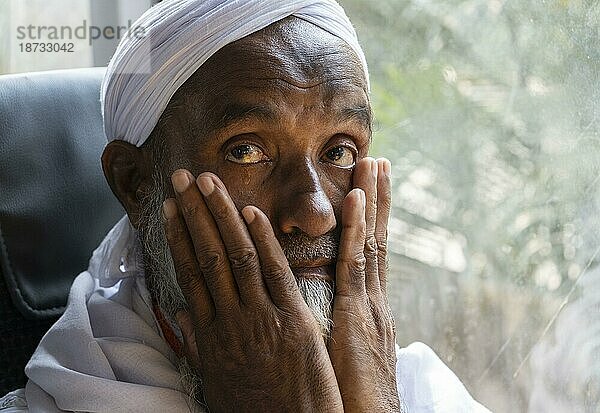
246 186
256 186
336 183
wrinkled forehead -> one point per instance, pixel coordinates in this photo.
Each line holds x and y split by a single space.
291 49
289 56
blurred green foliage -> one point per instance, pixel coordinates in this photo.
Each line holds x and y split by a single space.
488 110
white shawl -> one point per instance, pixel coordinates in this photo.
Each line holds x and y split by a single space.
107 353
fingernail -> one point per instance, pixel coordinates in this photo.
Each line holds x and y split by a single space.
363 199
387 168
248 215
181 181
169 209
206 185
374 168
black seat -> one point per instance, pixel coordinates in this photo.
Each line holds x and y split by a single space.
55 206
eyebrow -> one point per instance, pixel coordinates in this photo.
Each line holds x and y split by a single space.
360 114
236 112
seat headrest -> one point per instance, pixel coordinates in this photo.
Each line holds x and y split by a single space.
55 205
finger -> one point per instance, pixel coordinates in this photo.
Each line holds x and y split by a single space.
189 276
241 252
350 267
186 326
384 206
276 271
365 177
208 246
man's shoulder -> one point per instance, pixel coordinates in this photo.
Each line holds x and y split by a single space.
427 385
14 402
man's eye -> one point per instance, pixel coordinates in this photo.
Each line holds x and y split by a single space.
340 156
246 153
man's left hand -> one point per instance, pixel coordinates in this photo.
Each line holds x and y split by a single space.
362 343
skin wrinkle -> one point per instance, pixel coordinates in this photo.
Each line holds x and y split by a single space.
297 246
162 281
187 136
296 66
242 111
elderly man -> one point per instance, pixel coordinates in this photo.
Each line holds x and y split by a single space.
249 273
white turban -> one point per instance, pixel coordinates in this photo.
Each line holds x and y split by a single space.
175 37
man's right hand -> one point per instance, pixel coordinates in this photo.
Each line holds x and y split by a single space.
258 346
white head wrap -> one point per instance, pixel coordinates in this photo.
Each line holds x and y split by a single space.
176 37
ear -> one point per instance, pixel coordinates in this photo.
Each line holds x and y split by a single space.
127 171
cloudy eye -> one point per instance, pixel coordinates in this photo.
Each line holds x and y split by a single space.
246 154
340 156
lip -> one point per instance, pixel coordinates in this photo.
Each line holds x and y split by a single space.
320 272
317 262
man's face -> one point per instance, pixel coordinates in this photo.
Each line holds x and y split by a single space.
281 117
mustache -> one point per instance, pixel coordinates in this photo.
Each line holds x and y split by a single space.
300 248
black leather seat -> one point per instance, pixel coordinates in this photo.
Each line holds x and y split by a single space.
55 206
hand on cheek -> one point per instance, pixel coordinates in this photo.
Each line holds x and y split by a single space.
249 333
362 345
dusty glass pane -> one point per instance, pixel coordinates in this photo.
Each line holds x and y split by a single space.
489 110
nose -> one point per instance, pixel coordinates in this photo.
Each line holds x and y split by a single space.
304 205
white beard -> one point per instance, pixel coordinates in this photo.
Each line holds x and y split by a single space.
162 280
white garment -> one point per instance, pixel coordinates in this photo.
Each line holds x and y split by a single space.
177 37
107 353
14 402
